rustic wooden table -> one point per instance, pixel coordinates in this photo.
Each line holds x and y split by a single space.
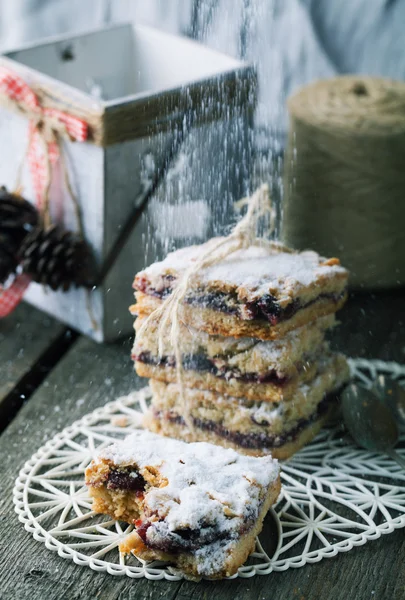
50 377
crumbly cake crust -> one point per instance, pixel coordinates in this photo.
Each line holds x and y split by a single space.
244 355
198 504
251 418
219 323
249 274
283 452
237 552
267 392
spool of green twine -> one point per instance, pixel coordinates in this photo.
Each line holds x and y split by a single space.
344 176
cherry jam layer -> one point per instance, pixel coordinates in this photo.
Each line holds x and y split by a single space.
265 308
158 536
125 478
203 364
257 440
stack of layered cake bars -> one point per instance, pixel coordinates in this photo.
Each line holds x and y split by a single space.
259 375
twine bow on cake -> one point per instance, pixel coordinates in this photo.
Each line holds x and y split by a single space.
47 127
243 236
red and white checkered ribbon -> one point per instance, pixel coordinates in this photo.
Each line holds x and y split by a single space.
12 296
45 127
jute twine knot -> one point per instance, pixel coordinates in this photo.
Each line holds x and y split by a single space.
50 132
49 127
242 236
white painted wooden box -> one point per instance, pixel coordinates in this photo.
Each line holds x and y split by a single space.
136 87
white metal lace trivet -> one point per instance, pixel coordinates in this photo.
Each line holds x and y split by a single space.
334 496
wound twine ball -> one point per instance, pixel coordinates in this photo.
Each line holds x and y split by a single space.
344 176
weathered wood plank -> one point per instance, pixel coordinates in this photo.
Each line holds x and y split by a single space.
25 336
90 375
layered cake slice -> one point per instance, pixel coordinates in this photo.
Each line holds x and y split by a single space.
196 505
256 428
261 291
241 367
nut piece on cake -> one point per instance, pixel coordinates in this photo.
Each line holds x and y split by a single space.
258 292
198 506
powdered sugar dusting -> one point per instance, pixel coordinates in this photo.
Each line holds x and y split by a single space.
202 461
208 486
258 267
293 345
255 266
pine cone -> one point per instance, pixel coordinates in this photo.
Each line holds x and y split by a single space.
56 257
17 217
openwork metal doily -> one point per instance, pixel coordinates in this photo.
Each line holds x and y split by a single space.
335 495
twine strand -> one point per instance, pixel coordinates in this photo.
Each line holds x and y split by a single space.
79 224
68 184
20 168
242 236
46 216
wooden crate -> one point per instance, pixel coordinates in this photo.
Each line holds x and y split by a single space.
136 88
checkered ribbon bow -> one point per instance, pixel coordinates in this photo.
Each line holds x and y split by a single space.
46 127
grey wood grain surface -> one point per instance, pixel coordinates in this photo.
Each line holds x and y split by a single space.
90 375
24 338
